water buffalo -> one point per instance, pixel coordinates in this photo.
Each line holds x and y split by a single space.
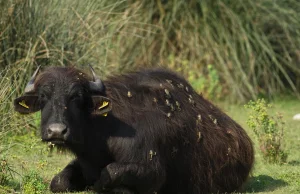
142 132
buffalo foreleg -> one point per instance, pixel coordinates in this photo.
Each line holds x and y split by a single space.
136 178
69 179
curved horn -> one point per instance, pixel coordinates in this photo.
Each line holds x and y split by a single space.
30 85
96 85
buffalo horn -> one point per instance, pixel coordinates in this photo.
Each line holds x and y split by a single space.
96 85
30 85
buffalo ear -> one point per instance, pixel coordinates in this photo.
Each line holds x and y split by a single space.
101 105
27 104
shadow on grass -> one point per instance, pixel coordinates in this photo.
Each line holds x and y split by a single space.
294 163
263 183
10 186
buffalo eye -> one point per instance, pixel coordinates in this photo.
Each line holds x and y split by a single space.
43 97
44 93
76 96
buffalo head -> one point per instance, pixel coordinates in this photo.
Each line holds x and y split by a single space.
67 99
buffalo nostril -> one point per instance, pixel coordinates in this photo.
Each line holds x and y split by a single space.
57 130
64 131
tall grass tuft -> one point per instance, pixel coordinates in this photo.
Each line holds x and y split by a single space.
60 32
9 124
253 44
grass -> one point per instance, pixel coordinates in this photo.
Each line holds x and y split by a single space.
29 155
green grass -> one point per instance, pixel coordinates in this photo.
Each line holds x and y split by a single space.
27 154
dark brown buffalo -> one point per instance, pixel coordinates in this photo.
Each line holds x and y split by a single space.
142 132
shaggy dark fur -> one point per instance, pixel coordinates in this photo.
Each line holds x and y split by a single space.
159 137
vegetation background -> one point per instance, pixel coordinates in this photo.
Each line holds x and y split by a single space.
230 50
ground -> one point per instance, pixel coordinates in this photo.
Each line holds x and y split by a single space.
31 159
